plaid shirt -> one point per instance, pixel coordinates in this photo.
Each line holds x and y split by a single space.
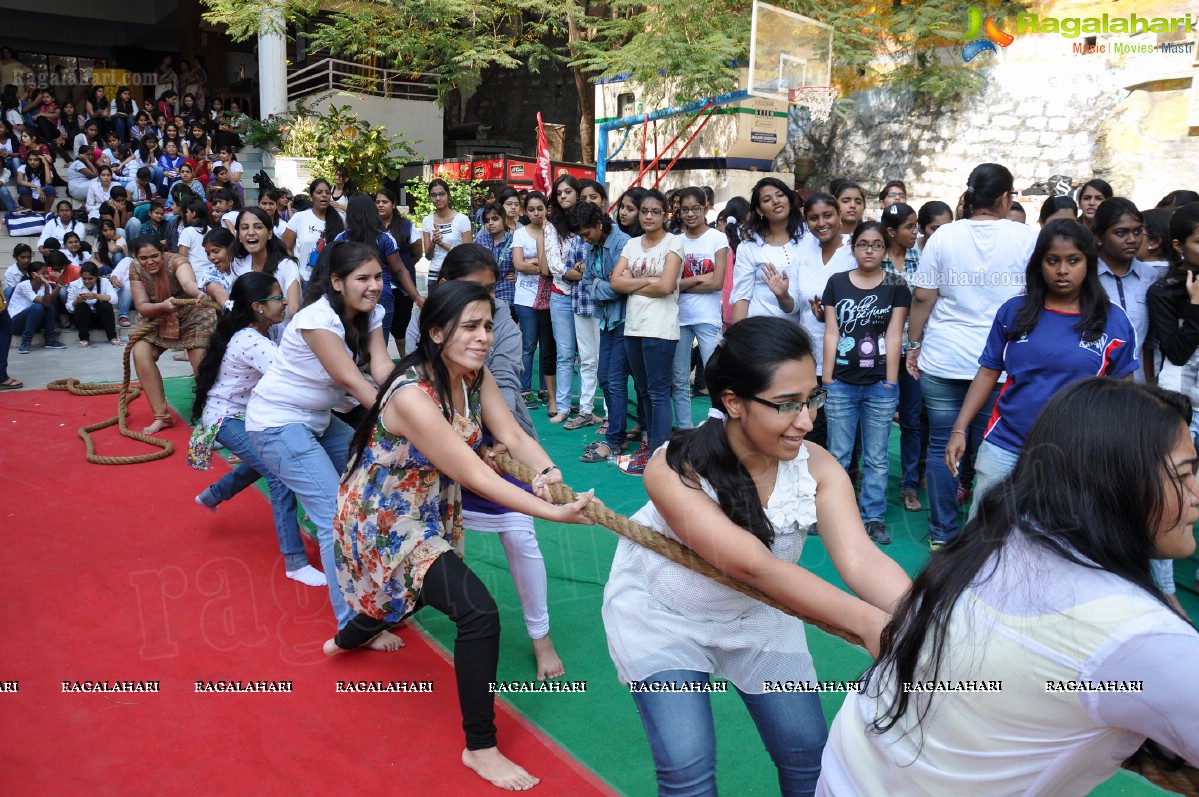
911 261
574 254
505 289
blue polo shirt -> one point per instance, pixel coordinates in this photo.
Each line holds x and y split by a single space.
1047 359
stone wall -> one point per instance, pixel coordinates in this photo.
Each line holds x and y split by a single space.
1036 121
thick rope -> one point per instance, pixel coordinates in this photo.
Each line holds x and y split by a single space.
1184 780
127 394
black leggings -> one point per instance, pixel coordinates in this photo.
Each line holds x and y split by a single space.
400 318
452 589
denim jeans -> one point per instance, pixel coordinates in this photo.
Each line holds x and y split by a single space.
121 125
913 431
563 318
311 466
707 335
943 399
532 336
682 736
30 320
389 308
992 465
614 381
651 361
283 502
7 201
870 407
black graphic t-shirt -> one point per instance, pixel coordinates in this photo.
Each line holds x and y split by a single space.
862 319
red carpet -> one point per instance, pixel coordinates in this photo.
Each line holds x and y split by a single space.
114 574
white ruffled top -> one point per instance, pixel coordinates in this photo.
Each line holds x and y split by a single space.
661 616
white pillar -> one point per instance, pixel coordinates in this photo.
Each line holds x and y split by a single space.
272 63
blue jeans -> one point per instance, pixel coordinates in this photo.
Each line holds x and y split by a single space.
29 320
913 431
943 399
870 407
614 382
707 335
682 736
651 360
563 319
531 334
311 466
7 202
992 465
121 125
283 502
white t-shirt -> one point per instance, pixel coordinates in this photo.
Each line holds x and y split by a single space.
286 272
12 276
700 258
813 278
57 230
193 239
231 218
23 296
975 266
1036 620
308 230
652 316
103 286
297 388
246 359
526 284
451 233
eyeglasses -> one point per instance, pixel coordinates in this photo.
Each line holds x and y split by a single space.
868 246
651 212
795 407
437 195
277 297
894 195
692 211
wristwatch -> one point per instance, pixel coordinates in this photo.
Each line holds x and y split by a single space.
914 344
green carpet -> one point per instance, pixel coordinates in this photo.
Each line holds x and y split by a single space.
601 728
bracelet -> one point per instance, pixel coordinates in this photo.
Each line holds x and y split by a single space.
547 470
889 384
957 431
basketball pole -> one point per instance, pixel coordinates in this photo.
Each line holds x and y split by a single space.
601 160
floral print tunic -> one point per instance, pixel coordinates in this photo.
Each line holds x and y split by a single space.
396 514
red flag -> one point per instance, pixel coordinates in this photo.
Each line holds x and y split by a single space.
541 175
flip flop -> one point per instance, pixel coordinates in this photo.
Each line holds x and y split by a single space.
12 384
911 501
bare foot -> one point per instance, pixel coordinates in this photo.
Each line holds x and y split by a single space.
158 425
548 663
386 642
331 648
492 766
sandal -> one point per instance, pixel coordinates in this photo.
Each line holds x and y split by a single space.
531 402
579 421
911 501
603 428
633 434
558 418
592 454
83 344
117 342
11 384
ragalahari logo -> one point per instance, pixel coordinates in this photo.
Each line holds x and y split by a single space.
980 37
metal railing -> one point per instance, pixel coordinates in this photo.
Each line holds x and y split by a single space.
333 74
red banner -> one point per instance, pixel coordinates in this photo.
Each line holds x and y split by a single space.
541 176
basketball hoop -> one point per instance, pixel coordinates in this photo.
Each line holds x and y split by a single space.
817 99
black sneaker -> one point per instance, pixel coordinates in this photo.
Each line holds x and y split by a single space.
878 532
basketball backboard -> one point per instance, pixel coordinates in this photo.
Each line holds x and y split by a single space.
787 51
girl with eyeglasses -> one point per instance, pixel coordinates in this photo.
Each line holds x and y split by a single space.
864 314
741 490
893 193
239 352
443 229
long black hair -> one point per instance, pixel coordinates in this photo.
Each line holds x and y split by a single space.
757 224
930 211
557 215
1110 211
743 364
635 195
736 208
1182 226
362 220
442 311
1057 203
464 260
986 187
276 252
1093 301
340 259
1055 501
1178 198
247 289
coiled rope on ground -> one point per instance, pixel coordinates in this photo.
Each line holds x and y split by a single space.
1184 780
127 393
